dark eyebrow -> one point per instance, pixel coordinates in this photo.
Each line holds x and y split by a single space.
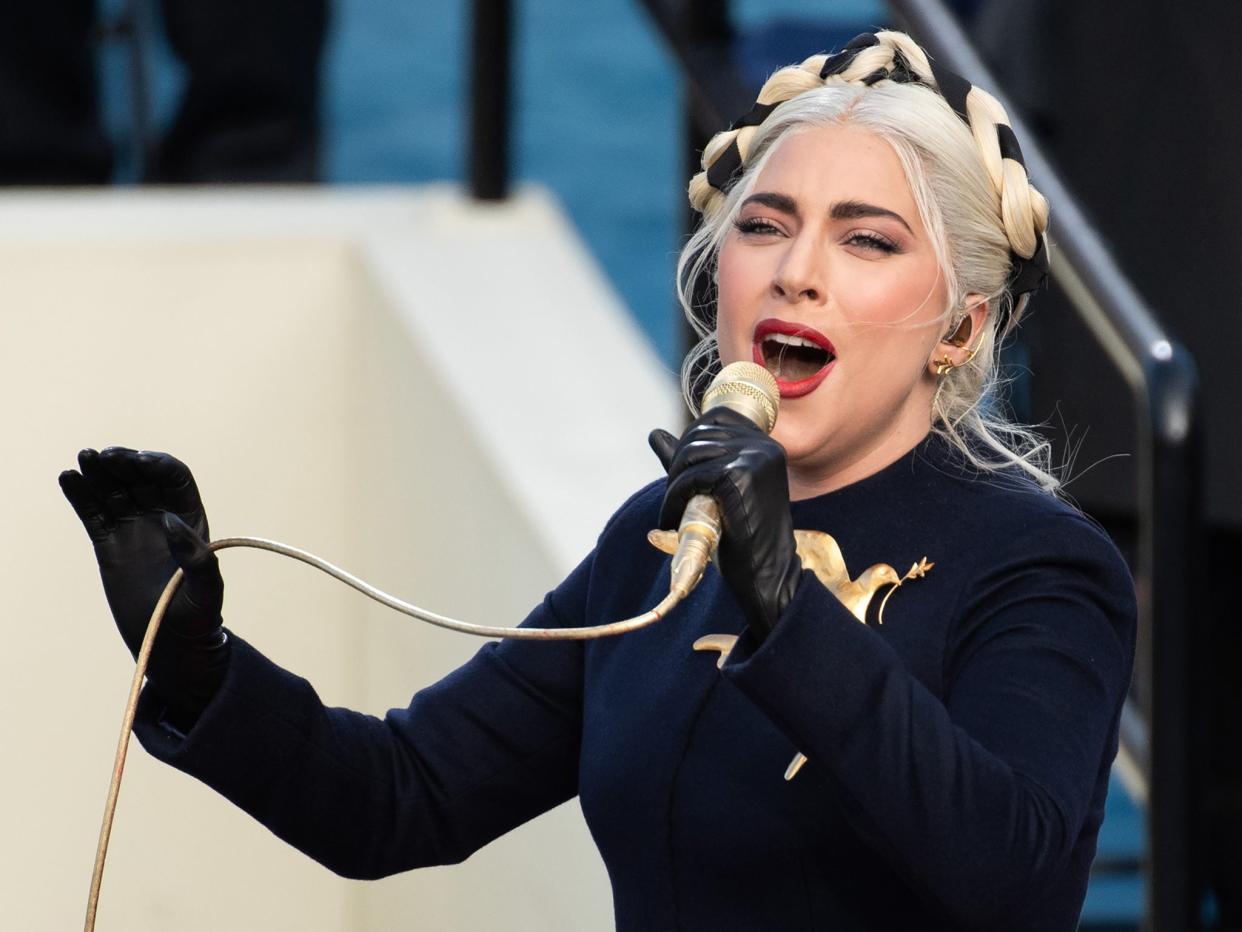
842 210
856 210
782 202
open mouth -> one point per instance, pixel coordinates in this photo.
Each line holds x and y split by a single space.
797 356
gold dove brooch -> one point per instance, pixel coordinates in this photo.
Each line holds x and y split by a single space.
821 554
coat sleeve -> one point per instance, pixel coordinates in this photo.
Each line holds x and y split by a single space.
487 748
976 797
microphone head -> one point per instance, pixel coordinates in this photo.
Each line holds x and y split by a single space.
749 389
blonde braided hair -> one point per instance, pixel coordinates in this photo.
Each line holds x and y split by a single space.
997 218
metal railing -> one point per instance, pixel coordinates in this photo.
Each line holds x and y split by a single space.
1160 725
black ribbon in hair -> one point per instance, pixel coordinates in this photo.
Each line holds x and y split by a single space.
837 63
1009 148
720 173
901 71
953 88
1026 275
754 116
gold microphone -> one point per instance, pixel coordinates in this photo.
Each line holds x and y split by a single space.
751 391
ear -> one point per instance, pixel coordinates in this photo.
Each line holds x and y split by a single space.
959 344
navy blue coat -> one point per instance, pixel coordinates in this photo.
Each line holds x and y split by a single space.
959 752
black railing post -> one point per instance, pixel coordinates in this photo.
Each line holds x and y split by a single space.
700 36
490 66
1171 649
705 25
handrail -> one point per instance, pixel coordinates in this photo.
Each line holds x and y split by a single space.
1163 377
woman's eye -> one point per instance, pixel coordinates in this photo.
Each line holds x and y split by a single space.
756 225
873 242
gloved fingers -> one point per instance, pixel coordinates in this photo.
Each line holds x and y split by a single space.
722 416
177 488
765 464
722 423
187 548
702 450
86 505
663 445
722 426
726 444
203 586
122 463
707 467
674 453
702 479
728 479
158 482
719 433
112 495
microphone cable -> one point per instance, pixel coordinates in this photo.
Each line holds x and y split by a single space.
743 386
676 594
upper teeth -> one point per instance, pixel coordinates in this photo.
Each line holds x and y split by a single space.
790 340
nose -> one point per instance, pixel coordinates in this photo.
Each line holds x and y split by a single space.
799 276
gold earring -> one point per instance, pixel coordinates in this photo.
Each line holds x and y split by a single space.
943 365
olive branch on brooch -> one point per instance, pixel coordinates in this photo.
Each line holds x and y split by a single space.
821 554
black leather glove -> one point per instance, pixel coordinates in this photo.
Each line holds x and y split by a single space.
724 455
143 514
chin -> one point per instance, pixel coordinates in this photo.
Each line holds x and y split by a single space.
801 445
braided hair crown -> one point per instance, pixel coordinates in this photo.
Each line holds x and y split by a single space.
875 59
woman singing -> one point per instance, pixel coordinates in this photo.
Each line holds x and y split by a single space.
891 704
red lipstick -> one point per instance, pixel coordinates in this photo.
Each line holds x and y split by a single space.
801 387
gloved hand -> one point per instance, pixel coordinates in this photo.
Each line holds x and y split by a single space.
143 514
724 455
